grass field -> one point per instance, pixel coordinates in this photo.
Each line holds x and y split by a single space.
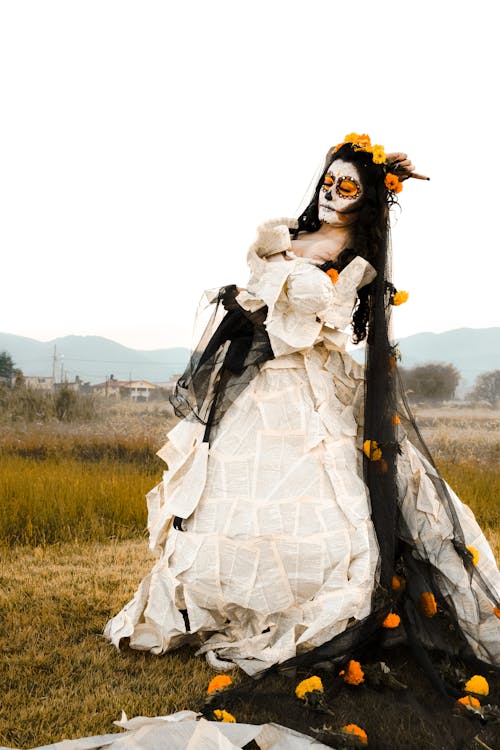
73 549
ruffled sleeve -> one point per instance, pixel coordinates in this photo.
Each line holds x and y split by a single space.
303 303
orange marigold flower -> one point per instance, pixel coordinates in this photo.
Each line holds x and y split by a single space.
219 682
398 583
475 554
396 419
333 274
477 684
354 674
399 298
428 605
371 450
391 621
469 700
222 715
393 183
496 612
356 731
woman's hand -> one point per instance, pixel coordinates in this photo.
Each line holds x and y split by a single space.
401 165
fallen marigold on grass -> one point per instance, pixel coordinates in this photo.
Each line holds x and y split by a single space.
477 684
308 686
469 700
356 731
222 715
428 605
475 554
391 621
354 674
219 682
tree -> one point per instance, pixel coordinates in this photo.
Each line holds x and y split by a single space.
487 387
7 367
431 382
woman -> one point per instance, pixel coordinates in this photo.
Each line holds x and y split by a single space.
295 515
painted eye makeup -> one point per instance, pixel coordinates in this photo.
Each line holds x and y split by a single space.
347 187
328 181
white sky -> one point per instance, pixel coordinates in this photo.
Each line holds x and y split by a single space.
142 142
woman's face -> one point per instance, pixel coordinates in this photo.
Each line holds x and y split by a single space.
342 191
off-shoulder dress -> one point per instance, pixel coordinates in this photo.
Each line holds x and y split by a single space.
278 552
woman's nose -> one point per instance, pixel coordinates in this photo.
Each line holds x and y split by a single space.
328 195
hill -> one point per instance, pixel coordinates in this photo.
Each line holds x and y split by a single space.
93 358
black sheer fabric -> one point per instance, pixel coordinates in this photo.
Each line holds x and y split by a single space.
226 359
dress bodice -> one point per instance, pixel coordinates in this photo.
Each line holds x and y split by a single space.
304 305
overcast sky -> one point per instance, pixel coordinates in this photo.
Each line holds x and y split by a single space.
143 142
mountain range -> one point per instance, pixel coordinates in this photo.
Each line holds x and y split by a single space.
93 358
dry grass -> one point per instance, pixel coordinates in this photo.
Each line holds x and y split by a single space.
59 678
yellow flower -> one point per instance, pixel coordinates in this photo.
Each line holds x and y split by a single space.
475 554
391 621
378 154
399 298
428 605
222 715
478 685
354 674
371 450
219 682
333 274
308 686
356 731
469 700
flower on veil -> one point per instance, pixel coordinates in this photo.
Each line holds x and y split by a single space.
496 612
371 450
475 554
428 604
478 685
354 674
222 715
354 730
219 682
398 582
391 621
469 700
308 687
399 298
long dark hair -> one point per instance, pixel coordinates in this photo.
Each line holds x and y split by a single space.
370 232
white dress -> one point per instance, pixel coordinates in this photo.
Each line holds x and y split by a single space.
279 552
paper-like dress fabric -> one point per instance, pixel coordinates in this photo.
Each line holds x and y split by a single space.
279 552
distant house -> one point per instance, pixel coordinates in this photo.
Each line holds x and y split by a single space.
141 390
42 383
135 390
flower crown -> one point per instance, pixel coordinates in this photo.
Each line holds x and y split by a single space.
363 143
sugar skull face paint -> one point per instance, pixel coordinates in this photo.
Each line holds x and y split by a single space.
341 192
